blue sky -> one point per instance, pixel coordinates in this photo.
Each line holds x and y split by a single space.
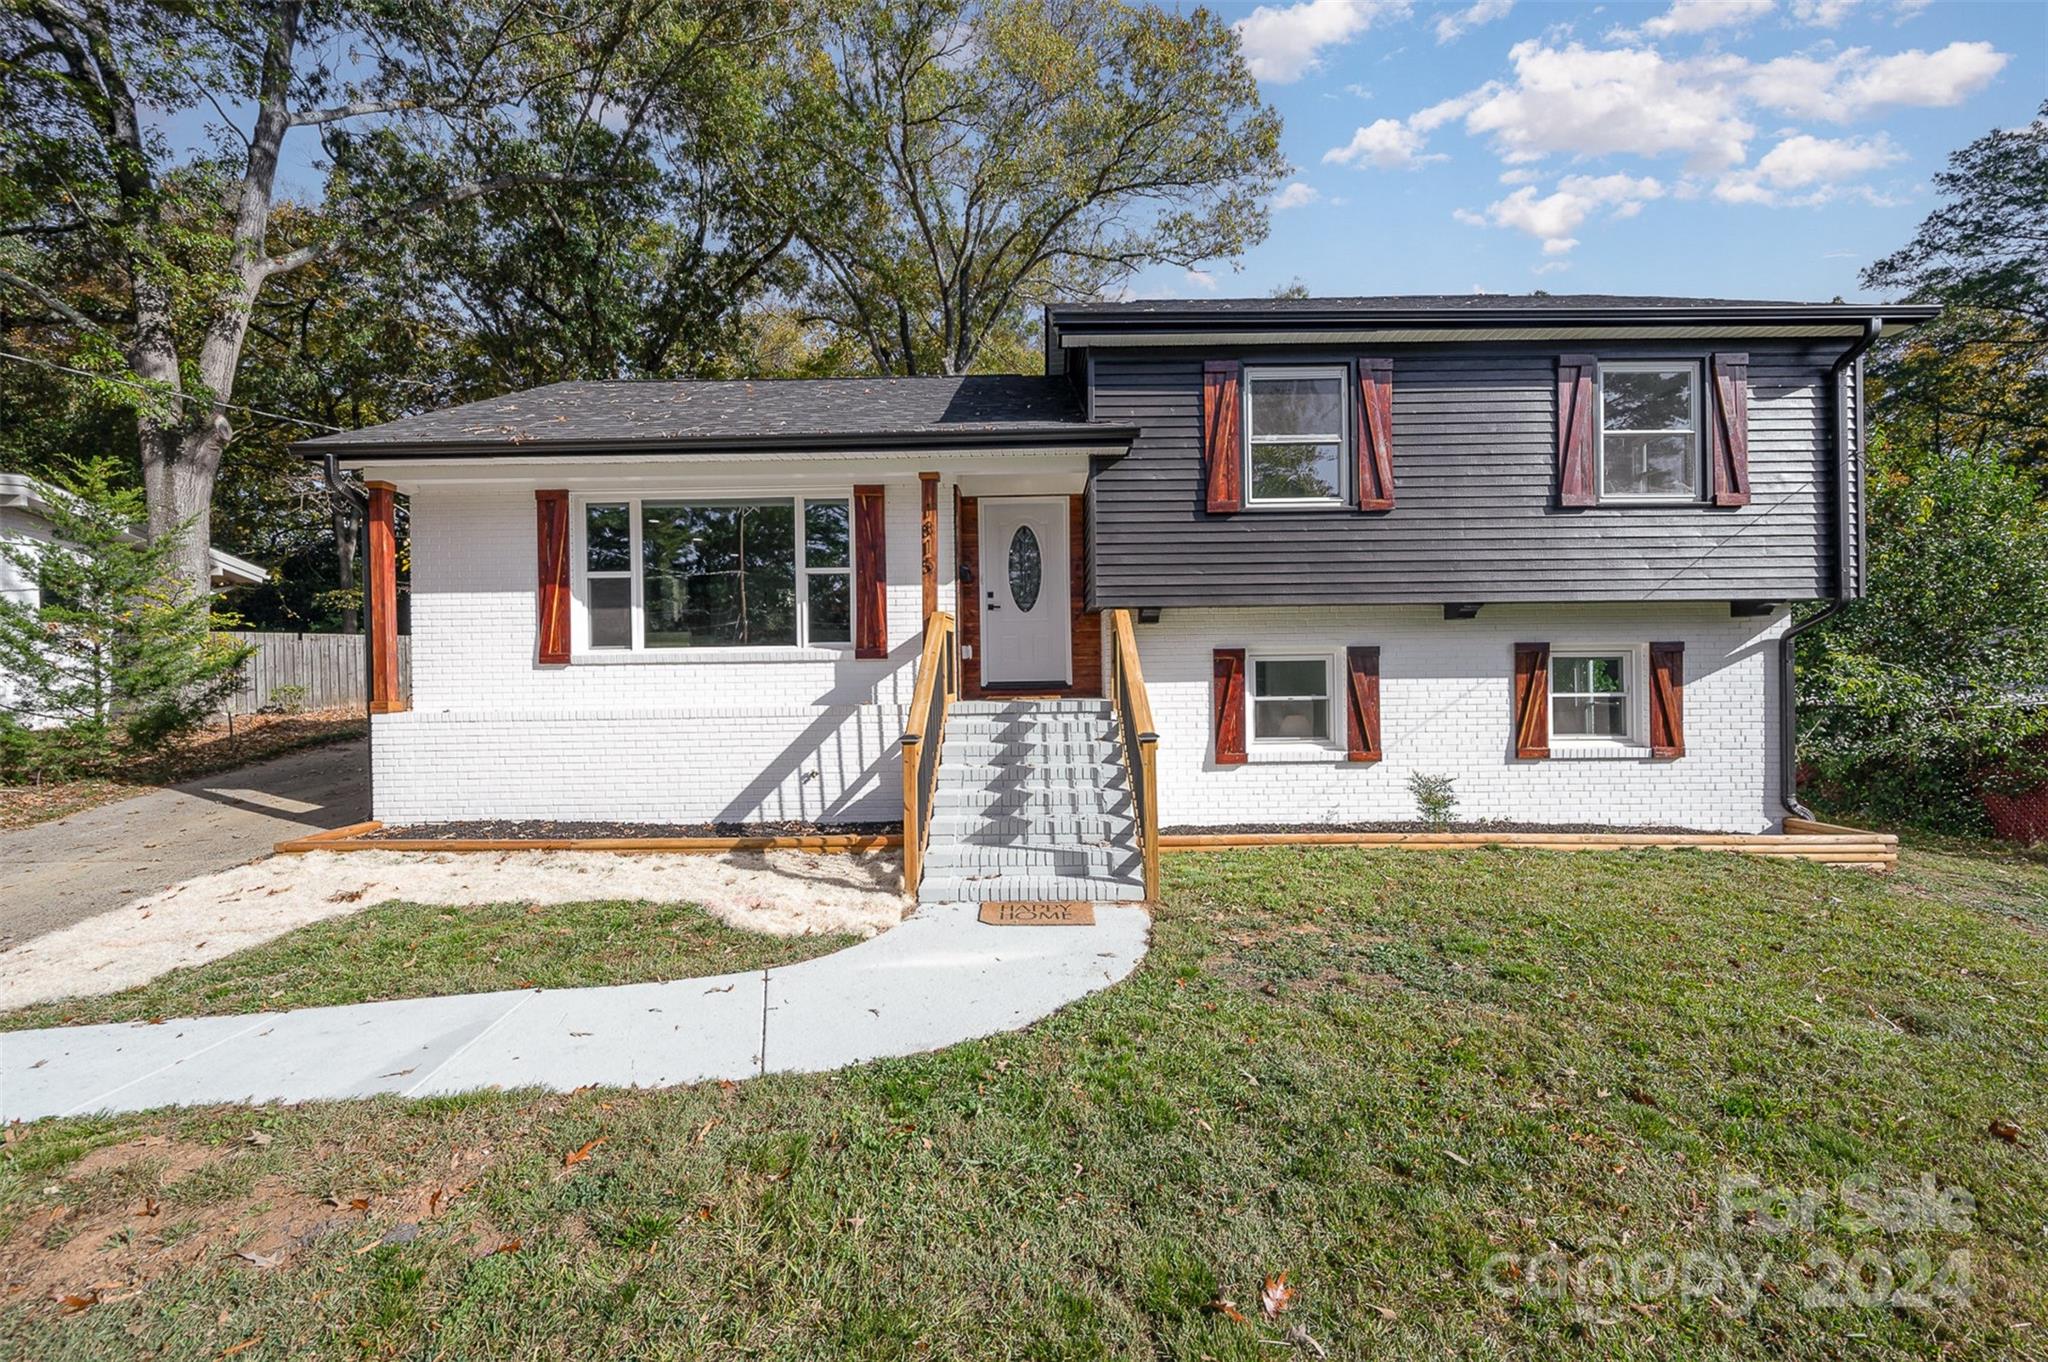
1733 148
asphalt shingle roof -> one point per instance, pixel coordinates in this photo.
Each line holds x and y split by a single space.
752 410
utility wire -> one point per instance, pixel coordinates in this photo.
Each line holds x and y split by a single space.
182 397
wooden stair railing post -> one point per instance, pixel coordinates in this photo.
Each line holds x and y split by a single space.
1140 740
931 699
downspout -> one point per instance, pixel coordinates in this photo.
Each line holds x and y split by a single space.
356 498
1845 587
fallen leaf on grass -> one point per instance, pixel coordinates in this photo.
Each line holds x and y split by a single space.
1224 1306
262 1262
703 1212
2008 1131
1390 1314
706 1129
509 1246
1276 1296
1304 1340
259 1138
576 1156
150 1206
246 1344
71 1305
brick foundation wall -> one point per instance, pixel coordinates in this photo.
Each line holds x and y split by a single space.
1445 709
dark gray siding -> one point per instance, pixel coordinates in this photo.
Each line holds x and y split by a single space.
1475 515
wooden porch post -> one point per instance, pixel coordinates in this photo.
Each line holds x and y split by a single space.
928 522
382 551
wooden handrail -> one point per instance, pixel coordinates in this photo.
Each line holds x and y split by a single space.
938 685
1140 739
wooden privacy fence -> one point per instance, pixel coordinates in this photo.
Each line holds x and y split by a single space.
327 667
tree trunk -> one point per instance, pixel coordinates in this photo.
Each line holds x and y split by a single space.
178 468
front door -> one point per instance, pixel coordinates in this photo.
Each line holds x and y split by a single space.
1026 616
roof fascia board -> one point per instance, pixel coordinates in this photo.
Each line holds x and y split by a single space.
425 464
1463 334
1078 437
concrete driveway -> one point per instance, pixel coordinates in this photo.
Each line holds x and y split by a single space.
55 874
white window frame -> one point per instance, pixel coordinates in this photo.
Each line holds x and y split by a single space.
1635 693
1253 374
1332 670
637 649
1697 430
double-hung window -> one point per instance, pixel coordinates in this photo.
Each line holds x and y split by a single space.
1649 431
669 573
1290 700
1295 419
1597 697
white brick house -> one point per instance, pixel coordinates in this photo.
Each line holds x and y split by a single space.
1546 547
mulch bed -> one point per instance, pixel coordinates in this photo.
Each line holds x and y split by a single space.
545 830
1489 825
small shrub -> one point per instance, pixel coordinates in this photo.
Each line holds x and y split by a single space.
1435 801
287 700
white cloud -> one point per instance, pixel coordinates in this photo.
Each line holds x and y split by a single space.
1295 195
1823 13
1584 103
1853 83
1450 27
1357 91
1387 143
1283 43
1200 279
1580 101
1816 165
1903 10
1698 16
1521 175
1553 217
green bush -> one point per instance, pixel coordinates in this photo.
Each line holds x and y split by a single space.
1936 683
117 659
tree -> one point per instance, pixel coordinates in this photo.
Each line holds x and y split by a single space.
116 650
1938 679
1977 379
1010 153
152 269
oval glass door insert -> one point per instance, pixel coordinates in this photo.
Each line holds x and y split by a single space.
1026 568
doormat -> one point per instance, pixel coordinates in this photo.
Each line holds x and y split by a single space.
1013 914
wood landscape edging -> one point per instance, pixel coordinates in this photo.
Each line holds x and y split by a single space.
1804 840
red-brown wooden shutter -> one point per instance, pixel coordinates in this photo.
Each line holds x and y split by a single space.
1728 430
870 575
1223 434
1576 375
551 517
1667 699
1362 695
1375 434
1229 706
1532 700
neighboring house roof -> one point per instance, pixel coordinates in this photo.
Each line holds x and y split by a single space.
18 491
728 415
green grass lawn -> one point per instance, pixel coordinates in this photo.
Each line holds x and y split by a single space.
1377 1073
406 950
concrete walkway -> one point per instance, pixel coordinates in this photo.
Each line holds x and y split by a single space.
61 872
940 978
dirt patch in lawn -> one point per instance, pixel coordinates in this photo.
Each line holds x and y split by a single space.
779 893
120 1218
